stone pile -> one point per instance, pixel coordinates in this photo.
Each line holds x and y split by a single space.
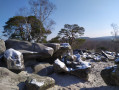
72 64
103 56
18 56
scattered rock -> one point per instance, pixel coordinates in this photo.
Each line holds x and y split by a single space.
109 56
99 58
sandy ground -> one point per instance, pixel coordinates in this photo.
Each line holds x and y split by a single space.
95 82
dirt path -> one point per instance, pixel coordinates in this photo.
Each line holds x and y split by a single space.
69 82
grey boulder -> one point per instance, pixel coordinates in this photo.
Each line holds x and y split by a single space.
36 82
43 69
12 81
59 66
55 46
63 50
2 48
30 50
14 59
110 76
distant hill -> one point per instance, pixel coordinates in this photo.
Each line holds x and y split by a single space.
99 38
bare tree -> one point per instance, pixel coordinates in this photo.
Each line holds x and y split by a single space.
24 11
42 9
115 36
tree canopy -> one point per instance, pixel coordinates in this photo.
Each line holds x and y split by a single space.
55 40
25 28
31 23
70 32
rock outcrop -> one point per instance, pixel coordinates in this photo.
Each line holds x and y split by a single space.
12 81
111 74
2 48
41 52
30 50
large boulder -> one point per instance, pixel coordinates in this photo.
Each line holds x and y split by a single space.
43 69
12 81
8 80
35 82
110 76
2 48
59 66
40 56
55 46
63 50
81 69
100 58
14 59
18 45
81 72
30 50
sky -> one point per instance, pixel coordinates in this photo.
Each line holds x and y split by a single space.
96 16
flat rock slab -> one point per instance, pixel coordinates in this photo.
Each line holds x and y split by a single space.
30 50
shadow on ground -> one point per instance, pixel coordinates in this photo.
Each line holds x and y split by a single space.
21 86
65 79
102 88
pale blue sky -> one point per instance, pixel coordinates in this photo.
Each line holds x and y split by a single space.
94 15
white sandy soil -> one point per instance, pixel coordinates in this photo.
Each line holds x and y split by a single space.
95 82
